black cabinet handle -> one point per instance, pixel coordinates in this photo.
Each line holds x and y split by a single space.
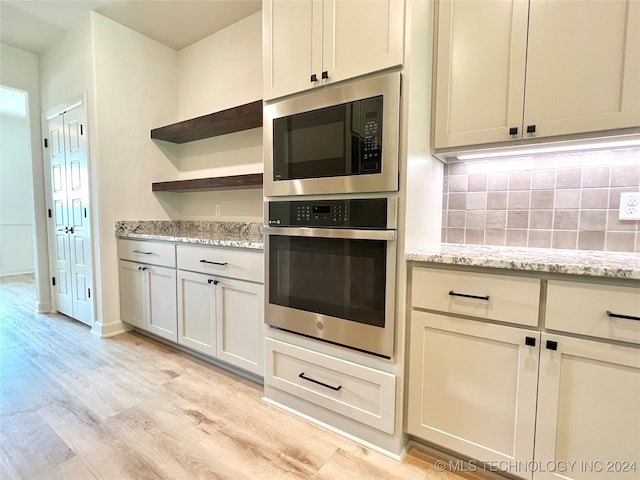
552 345
477 297
213 263
531 129
141 268
304 377
325 75
314 78
513 131
617 315
530 341
141 252
211 280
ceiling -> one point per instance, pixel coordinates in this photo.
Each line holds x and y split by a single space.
33 25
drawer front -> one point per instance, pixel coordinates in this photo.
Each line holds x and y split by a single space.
357 392
483 295
155 253
582 308
226 262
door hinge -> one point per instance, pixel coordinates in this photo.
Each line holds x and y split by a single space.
46 143
49 212
89 292
53 281
81 130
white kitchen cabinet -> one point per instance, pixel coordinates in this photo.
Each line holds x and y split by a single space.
472 386
148 298
588 409
197 312
579 61
308 43
240 324
220 313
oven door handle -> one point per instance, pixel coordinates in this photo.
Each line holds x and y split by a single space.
330 233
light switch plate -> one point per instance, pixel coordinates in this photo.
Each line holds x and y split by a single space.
629 206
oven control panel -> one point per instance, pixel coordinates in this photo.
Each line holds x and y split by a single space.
354 213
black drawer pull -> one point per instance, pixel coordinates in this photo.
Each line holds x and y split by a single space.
211 280
617 315
552 345
513 131
325 75
314 78
465 295
530 341
213 263
304 377
141 252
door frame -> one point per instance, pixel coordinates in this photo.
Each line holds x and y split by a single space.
78 100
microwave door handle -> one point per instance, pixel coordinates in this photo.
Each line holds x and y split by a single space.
331 233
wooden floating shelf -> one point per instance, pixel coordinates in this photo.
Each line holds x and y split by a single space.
250 180
236 119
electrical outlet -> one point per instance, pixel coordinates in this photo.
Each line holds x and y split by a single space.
218 210
629 206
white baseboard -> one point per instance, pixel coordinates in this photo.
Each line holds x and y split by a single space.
43 307
17 271
109 329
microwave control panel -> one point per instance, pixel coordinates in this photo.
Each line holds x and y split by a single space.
371 159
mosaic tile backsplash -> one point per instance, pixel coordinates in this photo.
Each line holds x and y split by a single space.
566 201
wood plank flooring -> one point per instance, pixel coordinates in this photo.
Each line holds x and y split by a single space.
74 406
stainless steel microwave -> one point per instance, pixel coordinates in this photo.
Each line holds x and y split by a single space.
340 139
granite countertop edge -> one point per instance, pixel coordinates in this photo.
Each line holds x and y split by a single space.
213 242
572 262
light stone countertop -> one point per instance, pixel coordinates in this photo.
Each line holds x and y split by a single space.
572 262
218 234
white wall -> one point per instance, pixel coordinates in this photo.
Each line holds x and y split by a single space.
19 70
221 71
16 197
135 90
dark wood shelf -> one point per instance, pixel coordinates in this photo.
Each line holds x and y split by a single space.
250 180
236 119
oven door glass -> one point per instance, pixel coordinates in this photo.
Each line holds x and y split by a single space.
343 278
335 141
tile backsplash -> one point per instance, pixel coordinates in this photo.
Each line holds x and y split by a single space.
567 200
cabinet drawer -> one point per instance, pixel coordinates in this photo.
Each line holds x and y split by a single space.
482 295
226 262
582 308
155 253
360 393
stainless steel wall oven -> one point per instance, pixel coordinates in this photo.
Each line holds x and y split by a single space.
331 270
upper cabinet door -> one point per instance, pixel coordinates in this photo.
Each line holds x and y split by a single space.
583 66
361 37
481 55
310 43
292 46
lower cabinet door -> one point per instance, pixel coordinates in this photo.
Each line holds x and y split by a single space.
197 312
472 388
240 324
588 419
162 314
132 294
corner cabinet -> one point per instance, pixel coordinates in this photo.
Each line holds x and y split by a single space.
579 61
310 43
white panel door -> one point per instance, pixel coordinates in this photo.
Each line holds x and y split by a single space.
588 409
583 66
162 318
197 312
70 228
60 219
240 324
481 56
472 387
78 213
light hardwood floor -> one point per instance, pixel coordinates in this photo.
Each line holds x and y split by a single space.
74 406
